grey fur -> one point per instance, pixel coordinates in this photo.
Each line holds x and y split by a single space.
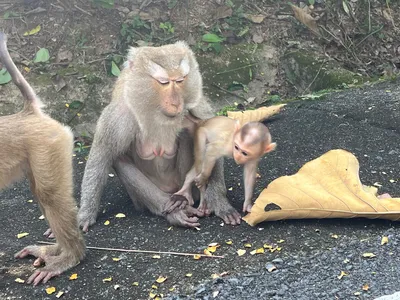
133 114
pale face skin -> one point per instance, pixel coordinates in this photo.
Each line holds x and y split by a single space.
247 154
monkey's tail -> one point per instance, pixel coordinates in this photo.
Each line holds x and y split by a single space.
32 102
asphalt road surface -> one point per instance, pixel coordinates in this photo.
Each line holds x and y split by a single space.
312 253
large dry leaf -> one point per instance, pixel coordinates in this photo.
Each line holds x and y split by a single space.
255 115
327 187
305 18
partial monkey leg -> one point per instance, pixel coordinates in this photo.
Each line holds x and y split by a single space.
140 188
52 185
184 195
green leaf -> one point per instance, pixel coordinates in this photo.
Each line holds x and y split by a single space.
33 31
42 55
311 2
75 104
275 98
172 3
243 31
104 3
5 77
114 69
346 7
211 38
236 86
217 47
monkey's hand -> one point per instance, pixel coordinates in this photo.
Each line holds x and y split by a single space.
56 262
247 207
86 218
200 180
187 217
176 201
49 234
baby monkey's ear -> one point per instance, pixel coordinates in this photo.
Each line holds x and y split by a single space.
237 126
270 147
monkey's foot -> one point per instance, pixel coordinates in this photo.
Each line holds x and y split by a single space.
200 180
85 220
55 264
204 208
230 216
178 201
187 217
49 234
42 275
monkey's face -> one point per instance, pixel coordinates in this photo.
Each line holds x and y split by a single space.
243 153
170 86
170 95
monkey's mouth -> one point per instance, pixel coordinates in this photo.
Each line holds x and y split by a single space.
171 115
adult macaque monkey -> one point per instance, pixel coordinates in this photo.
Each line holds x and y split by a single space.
222 136
35 144
145 134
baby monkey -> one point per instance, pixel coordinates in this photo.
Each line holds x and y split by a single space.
223 136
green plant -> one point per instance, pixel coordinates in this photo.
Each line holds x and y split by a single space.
210 42
42 55
237 23
5 77
223 111
11 15
133 30
172 3
80 147
104 3
167 27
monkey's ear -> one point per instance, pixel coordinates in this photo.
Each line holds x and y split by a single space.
132 52
156 71
237 126
184 66
182 44
270 147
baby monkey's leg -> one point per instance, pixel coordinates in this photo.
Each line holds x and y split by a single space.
184 195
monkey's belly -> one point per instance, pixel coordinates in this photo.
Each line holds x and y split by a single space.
160 171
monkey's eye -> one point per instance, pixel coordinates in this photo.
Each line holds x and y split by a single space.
244 153
163 82
236 147
179 80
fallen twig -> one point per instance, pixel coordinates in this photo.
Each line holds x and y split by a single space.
369 34
82 10
143 251
228 92
239 68
315 78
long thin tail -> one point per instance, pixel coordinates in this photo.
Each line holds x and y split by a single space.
32 102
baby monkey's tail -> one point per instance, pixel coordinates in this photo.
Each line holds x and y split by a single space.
32 102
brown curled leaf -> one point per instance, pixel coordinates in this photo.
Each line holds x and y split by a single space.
255 115
305 18
326 187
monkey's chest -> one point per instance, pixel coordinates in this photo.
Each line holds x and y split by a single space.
148 151
160 169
